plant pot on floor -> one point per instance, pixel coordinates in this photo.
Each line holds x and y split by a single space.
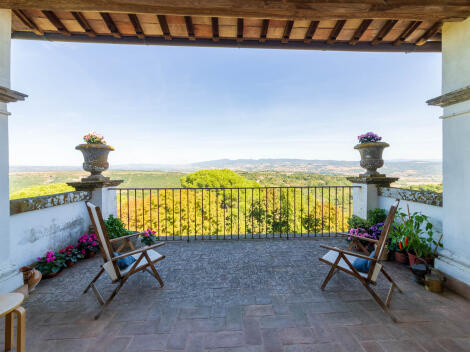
51 275
401 258
416 260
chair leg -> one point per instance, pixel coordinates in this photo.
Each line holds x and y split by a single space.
155 272
20 313
331 272
94 280
9 331
389 295
380 302
389 278
110 298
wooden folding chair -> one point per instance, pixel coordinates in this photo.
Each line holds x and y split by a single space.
341 260
145 258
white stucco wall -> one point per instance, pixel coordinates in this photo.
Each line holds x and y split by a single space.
435 213
456 151
32 233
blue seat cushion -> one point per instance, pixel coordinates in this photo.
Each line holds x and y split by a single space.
124 262
363 265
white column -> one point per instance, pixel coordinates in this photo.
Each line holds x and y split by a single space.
365 198
10 278
105 198
455 258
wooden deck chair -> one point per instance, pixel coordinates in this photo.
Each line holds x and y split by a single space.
145 259
341 260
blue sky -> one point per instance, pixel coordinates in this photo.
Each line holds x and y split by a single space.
159 104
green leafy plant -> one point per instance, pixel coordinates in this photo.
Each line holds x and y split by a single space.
115 227
375 216
356 222
413 233
71 253
51 263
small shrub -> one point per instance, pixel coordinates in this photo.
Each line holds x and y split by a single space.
376 216
115 227
356 222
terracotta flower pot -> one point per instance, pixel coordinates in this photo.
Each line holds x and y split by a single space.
51 275
96 160
401 258
90 254
31 277
415 260
371 157
69 263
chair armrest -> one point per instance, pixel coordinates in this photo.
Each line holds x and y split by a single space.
339 250
364 238
125 237
137 251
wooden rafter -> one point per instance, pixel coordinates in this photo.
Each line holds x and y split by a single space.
189 27
287 30
431 10
412 26
51 16
137 27
240 30
336 31
164 26
110 24
82 21
387 27
28 22
312 28
430 32
264 31
215 28
360 31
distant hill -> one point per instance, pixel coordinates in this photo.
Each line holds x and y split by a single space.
421 169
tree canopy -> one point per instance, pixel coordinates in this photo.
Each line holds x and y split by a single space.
216 178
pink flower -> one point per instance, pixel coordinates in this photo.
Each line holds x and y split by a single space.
95 243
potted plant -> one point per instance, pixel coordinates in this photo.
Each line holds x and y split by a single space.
115 227
95 152
88 245
148 237
398 244
371 148
71 255
51 264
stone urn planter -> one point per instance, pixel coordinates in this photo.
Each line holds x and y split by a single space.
371 157
96 160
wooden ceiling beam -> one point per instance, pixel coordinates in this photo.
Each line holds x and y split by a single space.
430 32
412 26
82 21
387 27
110 24
240 24
432 10
137 27
287 30
164 27
189 27
264 31
336 31
51 16
215 29
312 28
28 22
360 31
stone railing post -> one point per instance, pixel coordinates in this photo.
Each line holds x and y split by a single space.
102 194
365 196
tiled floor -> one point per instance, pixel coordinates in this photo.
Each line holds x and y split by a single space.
252 295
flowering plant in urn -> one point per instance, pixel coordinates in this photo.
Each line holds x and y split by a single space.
95 152
371 148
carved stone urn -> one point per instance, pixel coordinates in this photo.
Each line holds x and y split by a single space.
96 161
371 157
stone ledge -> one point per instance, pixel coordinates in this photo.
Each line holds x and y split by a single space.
425 197
381 180
18 206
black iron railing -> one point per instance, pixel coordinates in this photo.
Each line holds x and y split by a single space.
234 213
